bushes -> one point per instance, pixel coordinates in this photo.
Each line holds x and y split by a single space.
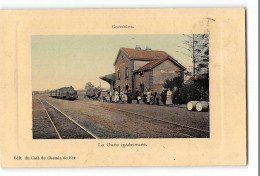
198 91
193 92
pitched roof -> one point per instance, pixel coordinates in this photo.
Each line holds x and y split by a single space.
151 65
157 62
139 54
156 57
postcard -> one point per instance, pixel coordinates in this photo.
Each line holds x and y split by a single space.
123 87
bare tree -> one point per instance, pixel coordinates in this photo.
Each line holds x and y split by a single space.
197 46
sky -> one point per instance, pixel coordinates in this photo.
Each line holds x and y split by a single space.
74 60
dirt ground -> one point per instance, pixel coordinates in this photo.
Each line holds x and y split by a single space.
66 128
105 123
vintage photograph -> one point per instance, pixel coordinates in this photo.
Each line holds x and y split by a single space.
120 86
124 87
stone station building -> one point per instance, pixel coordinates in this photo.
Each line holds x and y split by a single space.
141 68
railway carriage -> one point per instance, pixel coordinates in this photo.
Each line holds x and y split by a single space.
58 93
53 93
63 92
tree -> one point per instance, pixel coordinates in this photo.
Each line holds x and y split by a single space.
174 82
90 89
89 86
197 46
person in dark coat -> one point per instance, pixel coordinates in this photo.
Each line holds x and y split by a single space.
157 98
152 99
129 96
174 93
163 96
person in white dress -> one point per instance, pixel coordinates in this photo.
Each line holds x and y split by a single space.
148 93
116 96
169 97
123 98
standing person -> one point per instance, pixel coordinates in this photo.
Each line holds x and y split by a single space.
116 96
174 92
152 98
169 97
148 99
129 96
125 96
137 95
145 95
113 95
108 97
121 96
163 96
157 98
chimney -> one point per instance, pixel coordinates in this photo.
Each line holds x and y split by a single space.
147 48
138 47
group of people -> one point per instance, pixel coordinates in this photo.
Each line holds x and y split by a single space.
115 96
148 96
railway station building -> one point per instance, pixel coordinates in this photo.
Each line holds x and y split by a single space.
141 68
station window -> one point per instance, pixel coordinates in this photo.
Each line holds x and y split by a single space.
126 72
118 75
141 73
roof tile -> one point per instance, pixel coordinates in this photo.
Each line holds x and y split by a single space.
156 57
151 65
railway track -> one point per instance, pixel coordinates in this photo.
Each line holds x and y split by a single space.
185 130
65 126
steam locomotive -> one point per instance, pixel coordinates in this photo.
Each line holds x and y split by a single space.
67 93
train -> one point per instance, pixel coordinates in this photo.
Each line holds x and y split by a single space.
67 93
